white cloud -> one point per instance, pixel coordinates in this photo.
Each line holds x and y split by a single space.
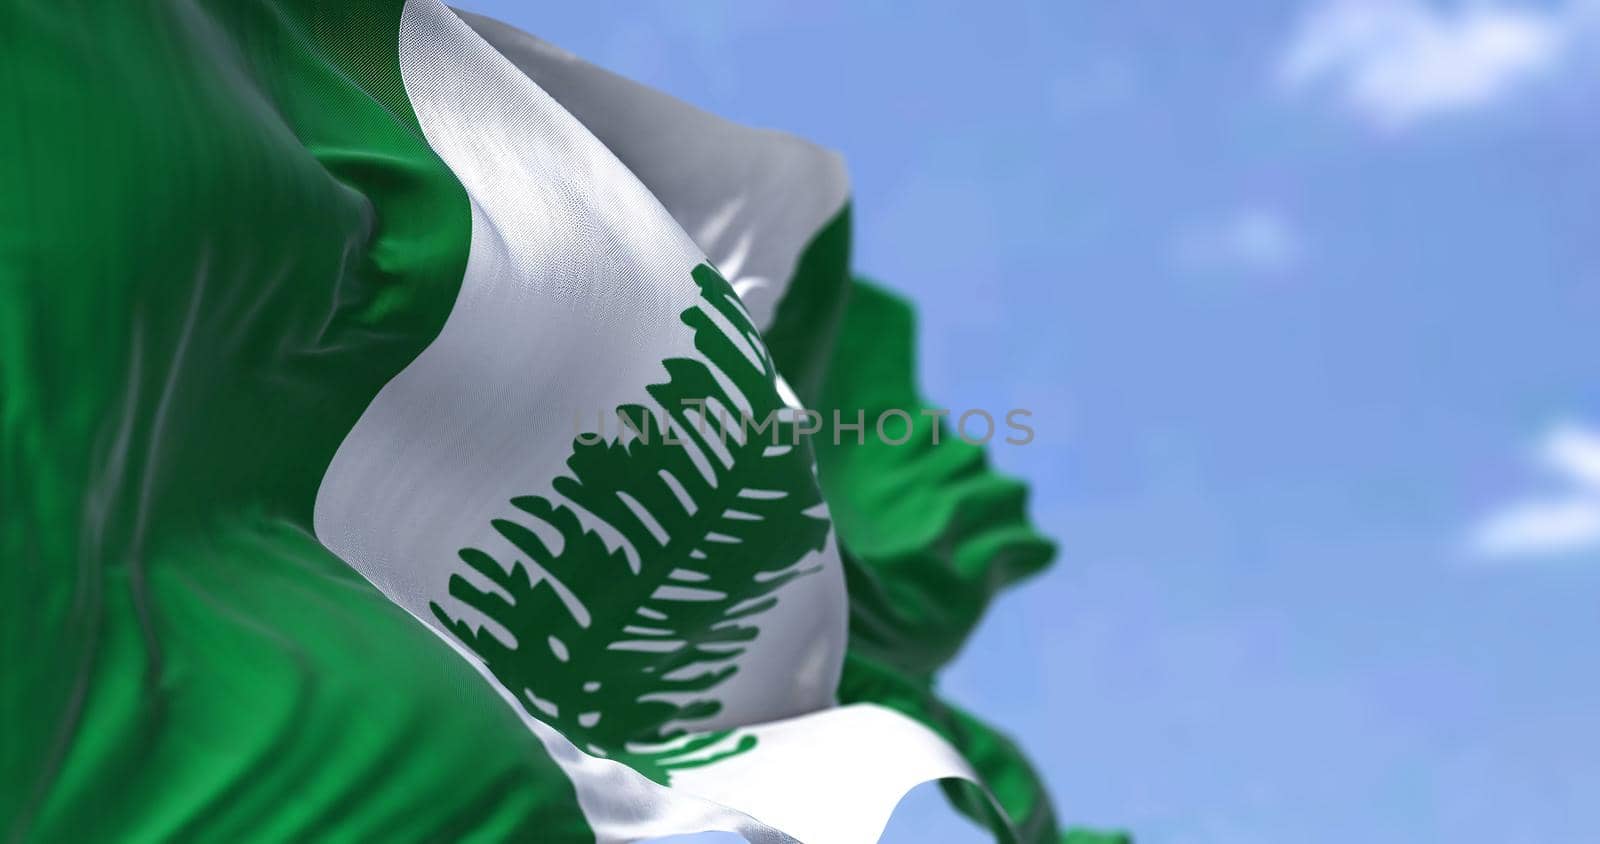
1573 451
1552 524
1399 61
1251 239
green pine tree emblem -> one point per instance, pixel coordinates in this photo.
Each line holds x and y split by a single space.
619 649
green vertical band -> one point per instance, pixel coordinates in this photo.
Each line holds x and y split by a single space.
929 534
221 232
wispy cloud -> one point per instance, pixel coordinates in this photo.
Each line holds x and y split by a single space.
1552 524
1397 62
1256 240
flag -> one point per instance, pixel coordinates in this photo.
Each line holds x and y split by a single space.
410 432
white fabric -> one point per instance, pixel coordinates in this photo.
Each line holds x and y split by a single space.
831 776
571 297
752 199
570 301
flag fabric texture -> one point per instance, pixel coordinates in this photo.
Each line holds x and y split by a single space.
373 387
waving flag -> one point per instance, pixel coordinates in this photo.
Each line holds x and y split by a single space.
407 435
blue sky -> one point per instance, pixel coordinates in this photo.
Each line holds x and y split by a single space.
1303 297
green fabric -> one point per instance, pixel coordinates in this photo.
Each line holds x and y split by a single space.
807 318
1095 836
929 534
221 232
936 532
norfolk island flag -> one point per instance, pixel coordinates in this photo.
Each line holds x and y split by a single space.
409 432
